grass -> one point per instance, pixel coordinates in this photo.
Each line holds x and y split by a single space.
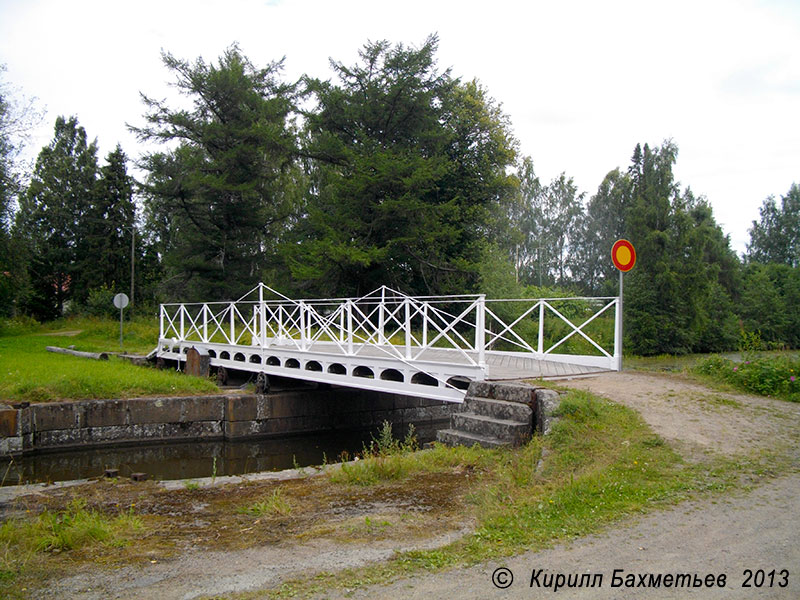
71 529
30 373
274 504
602 463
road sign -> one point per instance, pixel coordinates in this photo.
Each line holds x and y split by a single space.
624 255
120 301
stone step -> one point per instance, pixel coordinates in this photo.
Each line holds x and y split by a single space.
499 409
452 437
513 432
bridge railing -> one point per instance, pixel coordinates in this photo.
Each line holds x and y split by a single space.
405 327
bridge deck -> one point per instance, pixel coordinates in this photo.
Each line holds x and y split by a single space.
499 365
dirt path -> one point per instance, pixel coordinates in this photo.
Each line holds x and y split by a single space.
756 529
749 530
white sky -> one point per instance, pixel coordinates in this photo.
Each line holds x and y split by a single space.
582 81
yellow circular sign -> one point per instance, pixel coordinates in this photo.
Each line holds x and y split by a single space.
623 255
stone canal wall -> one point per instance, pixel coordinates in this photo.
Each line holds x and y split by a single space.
61 425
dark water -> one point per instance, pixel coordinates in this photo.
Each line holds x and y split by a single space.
184 460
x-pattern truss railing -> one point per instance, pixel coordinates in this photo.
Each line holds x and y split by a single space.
401 326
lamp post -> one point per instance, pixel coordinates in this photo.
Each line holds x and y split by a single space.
132 229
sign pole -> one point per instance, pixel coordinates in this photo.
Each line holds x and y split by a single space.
623 255
120 301
619 322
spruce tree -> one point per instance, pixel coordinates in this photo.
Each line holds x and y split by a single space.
51 218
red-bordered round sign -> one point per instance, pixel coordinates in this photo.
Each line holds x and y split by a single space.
624 255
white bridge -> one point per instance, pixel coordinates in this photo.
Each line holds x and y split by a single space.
429 346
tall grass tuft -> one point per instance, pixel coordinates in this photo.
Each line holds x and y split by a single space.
73 528
384 459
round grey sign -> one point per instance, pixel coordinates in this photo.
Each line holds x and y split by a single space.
121 301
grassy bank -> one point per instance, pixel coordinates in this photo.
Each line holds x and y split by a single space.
30 373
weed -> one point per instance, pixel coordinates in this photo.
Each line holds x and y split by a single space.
385 459
55 532
192 486
275 504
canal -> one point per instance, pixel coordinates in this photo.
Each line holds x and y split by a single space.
188 460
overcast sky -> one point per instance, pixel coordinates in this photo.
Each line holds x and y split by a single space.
582 81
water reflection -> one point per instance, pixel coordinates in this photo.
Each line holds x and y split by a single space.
183 460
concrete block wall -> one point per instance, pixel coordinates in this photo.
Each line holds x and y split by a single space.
50 426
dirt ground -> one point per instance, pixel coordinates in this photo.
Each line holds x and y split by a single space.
753 529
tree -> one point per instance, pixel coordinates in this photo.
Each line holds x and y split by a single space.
18 115
563 208
603 224
408 172
545 218
51 218
776 236
525 221
220 196
110 226
679 294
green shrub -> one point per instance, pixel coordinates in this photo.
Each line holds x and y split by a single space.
100 303
767 376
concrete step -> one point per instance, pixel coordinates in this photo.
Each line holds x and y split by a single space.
499 409
452 437
513 432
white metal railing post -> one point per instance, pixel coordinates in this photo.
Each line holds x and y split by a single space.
183 312
350 327
262 317
618 328
407 327
302 325
205 323
382 317
540 345
424 324
161 322
309 317
280 324
341 324
480 330
232 322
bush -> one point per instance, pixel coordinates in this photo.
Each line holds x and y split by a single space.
768 376
100 303
20 325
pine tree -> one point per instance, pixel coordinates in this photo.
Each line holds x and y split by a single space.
220 198
408 174
775 237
